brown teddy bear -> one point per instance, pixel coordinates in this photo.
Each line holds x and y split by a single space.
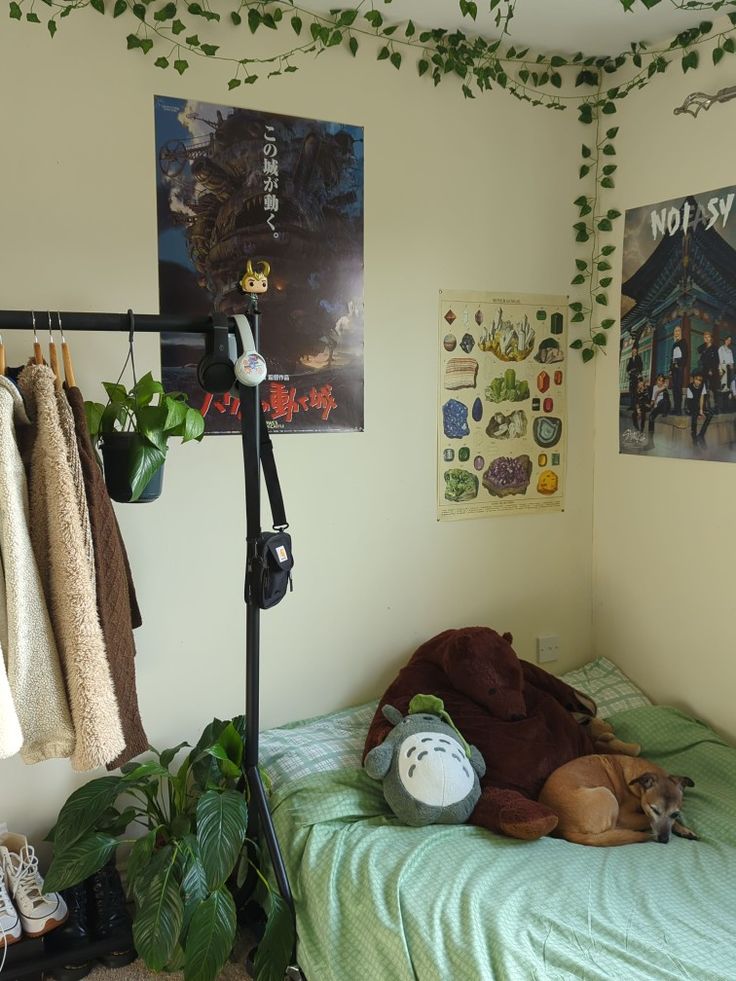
522 719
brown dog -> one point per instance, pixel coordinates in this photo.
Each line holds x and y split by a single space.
615 800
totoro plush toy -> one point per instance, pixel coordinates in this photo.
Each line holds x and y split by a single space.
430 774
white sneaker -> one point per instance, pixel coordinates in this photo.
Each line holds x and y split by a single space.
38 913
10 927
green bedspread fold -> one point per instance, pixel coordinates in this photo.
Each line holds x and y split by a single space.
378 901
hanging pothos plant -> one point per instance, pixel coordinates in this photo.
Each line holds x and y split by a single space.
170 29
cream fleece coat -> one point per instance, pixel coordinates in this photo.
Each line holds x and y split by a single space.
34 671
58 542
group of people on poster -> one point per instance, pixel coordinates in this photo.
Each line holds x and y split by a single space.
710 390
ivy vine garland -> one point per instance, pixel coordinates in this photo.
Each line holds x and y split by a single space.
480 64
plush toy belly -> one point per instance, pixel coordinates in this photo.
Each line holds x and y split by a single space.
434 769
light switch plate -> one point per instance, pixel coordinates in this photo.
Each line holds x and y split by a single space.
548 648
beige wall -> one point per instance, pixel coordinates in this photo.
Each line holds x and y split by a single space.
663 551
458 195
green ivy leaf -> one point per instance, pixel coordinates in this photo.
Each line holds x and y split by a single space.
52 27
177 27
139 10
98 5
606 282
718 54
605 225
146 45
383 54
236 18
353 45
729 45
585 113
423 66
602 299
161 63
584 171
690 60
585 152
34 18
577 318
396 59
181 65
607 182
611 133
577 280
120 7
609 108
15 11
606 324
608 250
254 19
234 83
167 12
600 339
209 49
581 264
296 23
603 266
588 354
410 29
576 344
609 150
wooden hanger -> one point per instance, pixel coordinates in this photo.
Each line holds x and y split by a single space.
53 359
66 357
37 353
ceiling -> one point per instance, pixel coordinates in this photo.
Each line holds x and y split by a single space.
592 26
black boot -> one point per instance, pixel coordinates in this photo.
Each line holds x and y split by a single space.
72 937
110 916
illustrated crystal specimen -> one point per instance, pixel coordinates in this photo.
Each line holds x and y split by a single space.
450 317
477 411
558 378
479 318
543 381
467 343
548 405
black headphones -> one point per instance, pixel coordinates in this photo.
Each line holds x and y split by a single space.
215 372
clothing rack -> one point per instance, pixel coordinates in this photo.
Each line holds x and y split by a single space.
260 814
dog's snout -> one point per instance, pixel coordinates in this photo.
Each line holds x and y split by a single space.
663 837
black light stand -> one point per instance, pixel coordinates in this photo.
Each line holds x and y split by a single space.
250 429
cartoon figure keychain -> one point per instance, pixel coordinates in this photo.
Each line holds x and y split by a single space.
250 368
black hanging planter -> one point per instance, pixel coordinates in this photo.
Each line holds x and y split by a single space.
117 457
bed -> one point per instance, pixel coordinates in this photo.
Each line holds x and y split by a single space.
377 901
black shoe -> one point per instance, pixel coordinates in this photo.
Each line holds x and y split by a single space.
72 937
110 917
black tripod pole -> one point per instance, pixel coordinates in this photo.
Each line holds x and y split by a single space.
260 814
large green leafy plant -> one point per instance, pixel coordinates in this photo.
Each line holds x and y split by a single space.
185 871
152 415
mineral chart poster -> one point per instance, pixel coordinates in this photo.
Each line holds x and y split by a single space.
677 385
234 184
502 421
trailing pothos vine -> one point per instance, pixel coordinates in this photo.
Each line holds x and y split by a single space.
171 30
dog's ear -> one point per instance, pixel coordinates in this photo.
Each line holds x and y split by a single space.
645 781
683 781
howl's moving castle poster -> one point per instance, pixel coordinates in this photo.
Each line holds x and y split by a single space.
234 184
677 384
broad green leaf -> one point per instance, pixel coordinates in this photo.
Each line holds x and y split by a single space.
151 421
154 868
577 344
143 771
52 27
600 339
159 918
139 857
115 391
353 45
210 937
15 11
93 415
222 822
120 7
277 944
167 756
75 863
146 460
228 768
145 388
193 425
605 324
79 813
588 354
193 878
296 23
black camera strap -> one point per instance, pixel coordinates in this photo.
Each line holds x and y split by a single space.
258 452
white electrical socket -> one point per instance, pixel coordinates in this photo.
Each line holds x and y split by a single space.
548 648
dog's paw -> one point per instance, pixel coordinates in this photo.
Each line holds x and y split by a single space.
682 832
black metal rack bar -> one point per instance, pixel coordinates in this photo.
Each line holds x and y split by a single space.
154 324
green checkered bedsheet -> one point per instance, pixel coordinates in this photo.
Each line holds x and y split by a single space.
378 901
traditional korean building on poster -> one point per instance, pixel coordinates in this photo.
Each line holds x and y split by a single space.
679 286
